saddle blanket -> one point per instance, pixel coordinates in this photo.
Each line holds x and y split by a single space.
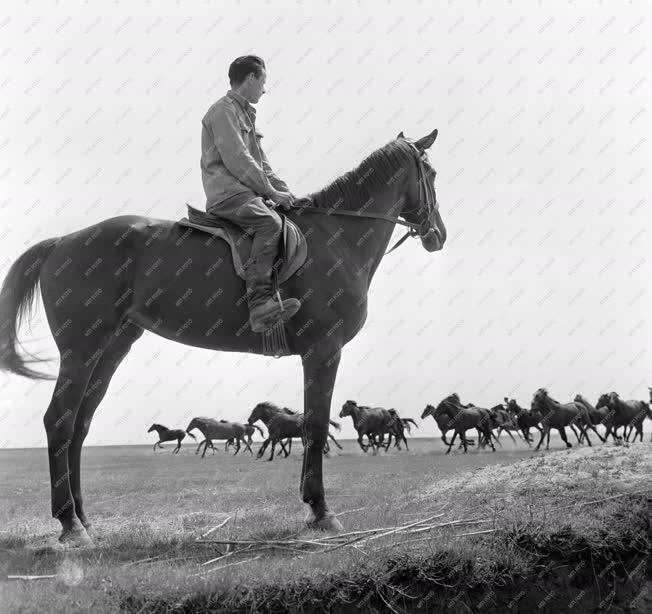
293 247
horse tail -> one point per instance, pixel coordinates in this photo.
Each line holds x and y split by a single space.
17 305
406 420
188 433
335 424
262 434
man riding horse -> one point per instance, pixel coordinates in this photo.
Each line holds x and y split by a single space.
237 179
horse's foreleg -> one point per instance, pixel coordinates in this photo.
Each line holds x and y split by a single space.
562 432
320 372
237 446
543 436
263 447
511 436
176 450
452 441
271 456
335 441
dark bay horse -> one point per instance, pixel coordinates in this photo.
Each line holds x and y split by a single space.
444 424
465 417
556 415
282 423
218 429
525 419
103 285
368 421
166 434
629 413
249 430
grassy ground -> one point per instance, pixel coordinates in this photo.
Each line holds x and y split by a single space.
545 512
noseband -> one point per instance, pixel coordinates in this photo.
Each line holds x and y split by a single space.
427 199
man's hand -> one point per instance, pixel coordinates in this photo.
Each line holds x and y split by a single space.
283 199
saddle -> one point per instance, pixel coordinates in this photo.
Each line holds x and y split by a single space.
293 248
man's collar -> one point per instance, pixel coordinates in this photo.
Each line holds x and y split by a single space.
242 101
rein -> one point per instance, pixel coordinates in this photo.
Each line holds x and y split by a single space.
425 190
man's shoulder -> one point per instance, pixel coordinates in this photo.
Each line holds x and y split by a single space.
219 105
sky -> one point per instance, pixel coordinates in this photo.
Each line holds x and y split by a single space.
542 178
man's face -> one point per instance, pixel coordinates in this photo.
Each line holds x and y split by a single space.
257 86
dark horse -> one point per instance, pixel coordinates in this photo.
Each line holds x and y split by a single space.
104 285
166 434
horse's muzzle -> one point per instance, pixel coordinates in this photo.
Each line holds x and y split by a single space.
432 241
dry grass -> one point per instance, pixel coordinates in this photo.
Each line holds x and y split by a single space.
518 518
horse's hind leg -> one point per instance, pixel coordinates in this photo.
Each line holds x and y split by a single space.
97 386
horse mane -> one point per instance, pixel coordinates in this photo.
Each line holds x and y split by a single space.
374 173
270 405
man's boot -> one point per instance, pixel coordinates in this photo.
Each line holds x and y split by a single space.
265 310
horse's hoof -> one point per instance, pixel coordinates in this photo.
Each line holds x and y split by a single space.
328 522
76 538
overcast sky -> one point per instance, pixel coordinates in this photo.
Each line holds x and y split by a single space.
542 178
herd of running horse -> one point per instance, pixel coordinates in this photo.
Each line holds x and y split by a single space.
375 423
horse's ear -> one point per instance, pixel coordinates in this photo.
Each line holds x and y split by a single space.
400 135
427 141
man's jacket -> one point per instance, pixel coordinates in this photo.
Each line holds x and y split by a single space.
232 159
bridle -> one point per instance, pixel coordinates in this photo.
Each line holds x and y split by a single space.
427 199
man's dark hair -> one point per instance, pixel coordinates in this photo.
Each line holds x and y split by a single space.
242 66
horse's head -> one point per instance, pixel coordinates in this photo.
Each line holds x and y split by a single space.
259 412
428 411
152 428
347 409
421 206
193 425
541 400
603 401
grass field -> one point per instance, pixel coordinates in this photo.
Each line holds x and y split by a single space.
145 504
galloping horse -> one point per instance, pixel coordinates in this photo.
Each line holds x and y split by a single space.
525 419
444 424
465 417
369 421
249 430
166 434
555 415
630 414
218 429
282 423
596 416
102 286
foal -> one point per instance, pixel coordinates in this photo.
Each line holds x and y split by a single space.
166 434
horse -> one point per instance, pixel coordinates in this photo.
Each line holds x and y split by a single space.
525 419
396 428
166 434
444 424
249 430
630 413
596 416
506 422
282 423
465 417
555 415
138 273
369 421
217 429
